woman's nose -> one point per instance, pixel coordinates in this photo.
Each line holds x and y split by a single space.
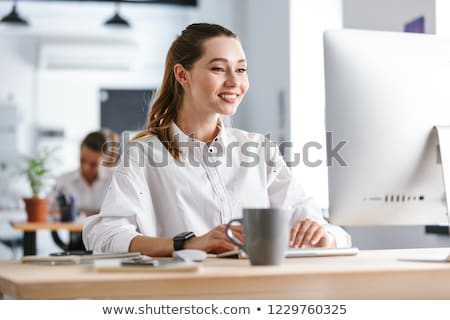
231 80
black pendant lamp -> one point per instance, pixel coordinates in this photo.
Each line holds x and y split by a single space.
116 20
13 17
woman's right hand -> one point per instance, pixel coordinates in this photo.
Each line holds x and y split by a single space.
215 241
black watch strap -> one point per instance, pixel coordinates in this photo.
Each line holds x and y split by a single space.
181 238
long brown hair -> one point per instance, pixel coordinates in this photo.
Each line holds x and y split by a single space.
185 50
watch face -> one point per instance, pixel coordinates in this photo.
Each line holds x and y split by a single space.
179 239
185 235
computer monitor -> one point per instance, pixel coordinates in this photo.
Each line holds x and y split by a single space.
385 92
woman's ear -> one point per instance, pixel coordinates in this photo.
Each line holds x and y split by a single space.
180 74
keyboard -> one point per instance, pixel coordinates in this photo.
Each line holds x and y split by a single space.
299 252
320 252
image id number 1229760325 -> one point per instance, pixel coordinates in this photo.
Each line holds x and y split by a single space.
307 309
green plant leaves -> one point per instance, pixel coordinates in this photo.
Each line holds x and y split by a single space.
37 170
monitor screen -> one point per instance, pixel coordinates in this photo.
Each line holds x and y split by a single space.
385 92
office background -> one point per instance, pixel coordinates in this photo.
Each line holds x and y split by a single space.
54 71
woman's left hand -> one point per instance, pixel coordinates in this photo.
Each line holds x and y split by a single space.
309 233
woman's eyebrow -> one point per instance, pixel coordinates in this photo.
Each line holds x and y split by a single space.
223 60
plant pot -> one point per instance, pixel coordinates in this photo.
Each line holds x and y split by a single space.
37 209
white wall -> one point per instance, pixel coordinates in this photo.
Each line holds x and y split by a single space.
223 12
442 17
17 82
308 20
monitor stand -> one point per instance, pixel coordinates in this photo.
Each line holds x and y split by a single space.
443 136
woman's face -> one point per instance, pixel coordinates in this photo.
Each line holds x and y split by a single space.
218 81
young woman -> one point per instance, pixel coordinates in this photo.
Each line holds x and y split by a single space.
187 175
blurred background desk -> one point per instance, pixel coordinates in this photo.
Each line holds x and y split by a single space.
10 238
372 274
29 234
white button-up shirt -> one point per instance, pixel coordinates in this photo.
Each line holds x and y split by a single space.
153 194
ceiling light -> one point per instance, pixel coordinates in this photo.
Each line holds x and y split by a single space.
116 19
13 17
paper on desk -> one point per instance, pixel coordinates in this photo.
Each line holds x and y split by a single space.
77 259
426 257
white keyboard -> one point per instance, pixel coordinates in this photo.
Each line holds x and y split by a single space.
320 252
299 252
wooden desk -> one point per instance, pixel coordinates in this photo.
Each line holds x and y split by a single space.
29 232
376 274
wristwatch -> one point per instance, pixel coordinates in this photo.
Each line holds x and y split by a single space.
179 239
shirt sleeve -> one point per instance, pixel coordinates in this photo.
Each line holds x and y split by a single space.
127 210
285 192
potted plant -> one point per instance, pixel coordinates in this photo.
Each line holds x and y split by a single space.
37 173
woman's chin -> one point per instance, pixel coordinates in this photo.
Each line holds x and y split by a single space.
229 110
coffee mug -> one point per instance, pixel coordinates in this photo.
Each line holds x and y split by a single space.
266 235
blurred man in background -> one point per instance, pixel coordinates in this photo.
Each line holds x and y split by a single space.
87 184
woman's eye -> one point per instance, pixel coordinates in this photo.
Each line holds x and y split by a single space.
217 69
242 70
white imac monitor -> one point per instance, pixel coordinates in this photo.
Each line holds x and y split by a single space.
385 92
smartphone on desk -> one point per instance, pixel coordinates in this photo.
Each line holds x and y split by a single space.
140 261
149 261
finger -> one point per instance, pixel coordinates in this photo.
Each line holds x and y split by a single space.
318 235
301 232
294 231
239 236
234 229
237 228
219 235
310 233
220 246
220 227
327 240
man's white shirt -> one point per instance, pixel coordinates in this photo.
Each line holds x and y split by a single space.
87 197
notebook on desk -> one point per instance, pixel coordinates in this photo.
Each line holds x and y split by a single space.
300 252
77 259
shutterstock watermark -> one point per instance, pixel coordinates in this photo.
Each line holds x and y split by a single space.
196 154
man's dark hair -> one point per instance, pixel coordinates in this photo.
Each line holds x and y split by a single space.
94 141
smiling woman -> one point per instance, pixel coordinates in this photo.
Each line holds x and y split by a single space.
187 174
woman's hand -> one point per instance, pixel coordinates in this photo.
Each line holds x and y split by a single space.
309 233
215 241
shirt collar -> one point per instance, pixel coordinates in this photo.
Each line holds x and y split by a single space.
221 138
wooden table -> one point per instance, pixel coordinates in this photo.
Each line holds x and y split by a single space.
375 274
29 233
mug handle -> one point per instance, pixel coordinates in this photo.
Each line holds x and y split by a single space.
230 235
